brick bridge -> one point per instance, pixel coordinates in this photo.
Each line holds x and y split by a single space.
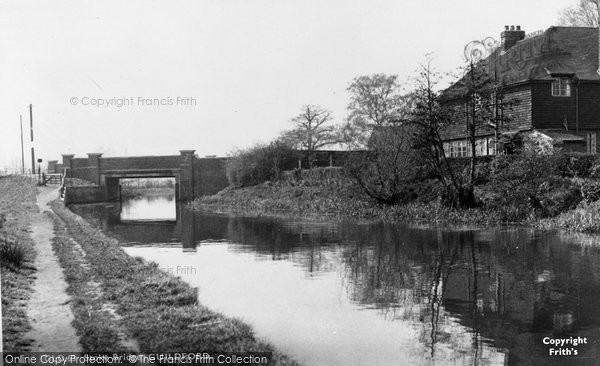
194 176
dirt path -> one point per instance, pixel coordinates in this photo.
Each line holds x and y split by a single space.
48 309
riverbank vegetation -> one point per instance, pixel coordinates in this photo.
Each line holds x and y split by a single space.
512 189
399 166
17 254
138 187
157 310
132 192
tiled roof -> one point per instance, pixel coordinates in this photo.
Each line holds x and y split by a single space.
560 136
558 50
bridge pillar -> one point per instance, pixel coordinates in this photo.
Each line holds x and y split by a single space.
186 226
67 163
94 167
186 176
112 191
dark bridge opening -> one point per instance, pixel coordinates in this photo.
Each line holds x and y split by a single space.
194 177
148 199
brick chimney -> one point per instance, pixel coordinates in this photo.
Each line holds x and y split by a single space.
511 36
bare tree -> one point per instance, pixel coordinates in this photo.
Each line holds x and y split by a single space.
377 123
388 167
478 111
431 117
312 131
585 14
375 101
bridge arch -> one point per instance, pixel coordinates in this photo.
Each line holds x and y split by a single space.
194 176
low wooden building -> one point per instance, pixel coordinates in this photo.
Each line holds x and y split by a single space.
551 82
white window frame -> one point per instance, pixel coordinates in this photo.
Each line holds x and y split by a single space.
561 87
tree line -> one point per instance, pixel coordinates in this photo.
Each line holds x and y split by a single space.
400 134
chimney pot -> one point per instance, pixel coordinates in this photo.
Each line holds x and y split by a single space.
510 36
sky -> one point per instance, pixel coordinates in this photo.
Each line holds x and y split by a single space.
130 78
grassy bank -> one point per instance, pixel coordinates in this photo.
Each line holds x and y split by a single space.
585 219
513 195
329 192
17 203
156 309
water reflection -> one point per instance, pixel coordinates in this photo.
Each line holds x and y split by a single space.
358 294
147 208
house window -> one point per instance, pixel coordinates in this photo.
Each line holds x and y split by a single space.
591 142
464 149
481 147
561 87
459 149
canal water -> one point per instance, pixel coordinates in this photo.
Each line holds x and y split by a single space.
330 293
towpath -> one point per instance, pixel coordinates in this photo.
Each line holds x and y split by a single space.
48 310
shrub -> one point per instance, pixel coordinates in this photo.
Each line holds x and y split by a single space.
590 191
534 185
257 164
11 252
595 169
558 195
585 218
522 167
574 164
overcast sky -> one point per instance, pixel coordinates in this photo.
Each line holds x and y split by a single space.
248 64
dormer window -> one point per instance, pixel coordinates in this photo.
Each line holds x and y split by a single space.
561 87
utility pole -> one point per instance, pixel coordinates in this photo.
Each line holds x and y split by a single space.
22 151
31 130
1 333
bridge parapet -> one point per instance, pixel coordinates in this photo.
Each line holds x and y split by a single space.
67 158
141 162
94 167
193 176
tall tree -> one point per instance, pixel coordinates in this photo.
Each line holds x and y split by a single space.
472 104
585 14
313 130
431 117
479 111
375 101
377 123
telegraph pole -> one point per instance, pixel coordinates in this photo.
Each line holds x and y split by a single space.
22 151
1 333
31 130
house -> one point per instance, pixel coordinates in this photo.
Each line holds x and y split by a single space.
551 82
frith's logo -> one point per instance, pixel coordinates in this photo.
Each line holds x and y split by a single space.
476 51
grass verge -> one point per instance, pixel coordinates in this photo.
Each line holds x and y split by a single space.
17 203
328 193
585 218
98 328
157 309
